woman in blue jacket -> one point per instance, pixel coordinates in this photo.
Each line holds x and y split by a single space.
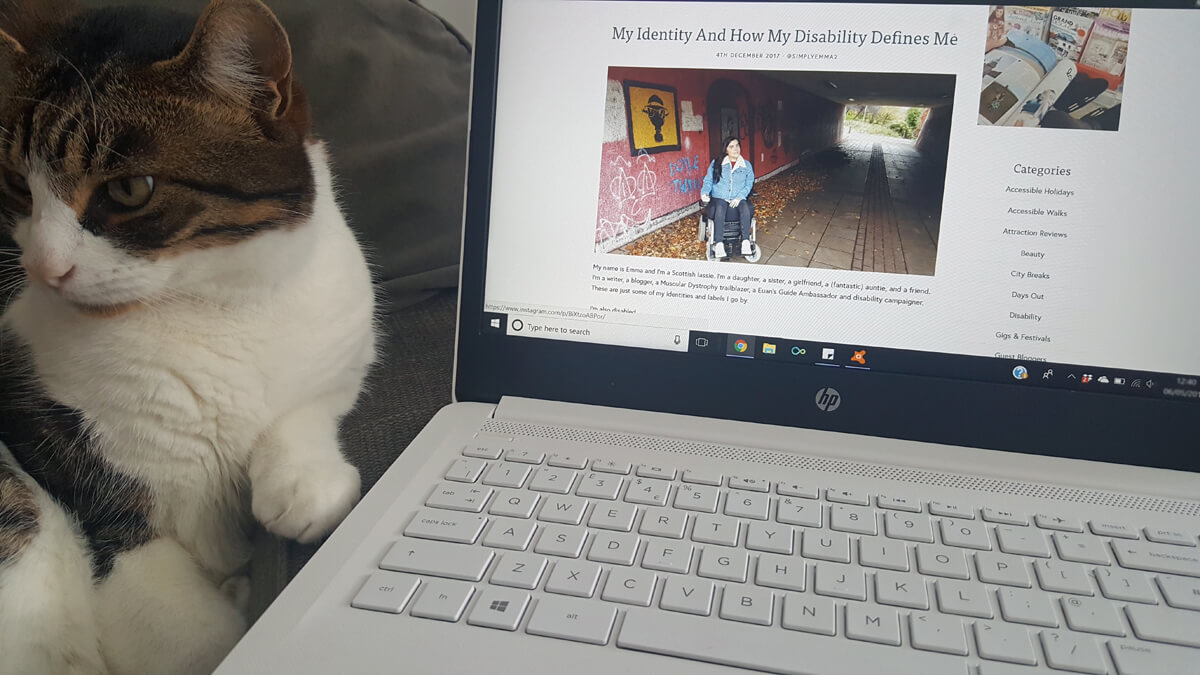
727 183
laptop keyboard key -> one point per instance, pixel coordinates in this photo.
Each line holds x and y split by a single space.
697 498
748 604
942 561
386 592
1075 653
1082 548
854 497
483 450
1003 569
780 571
701 477
616 516
661 472
1180 592
799 511
466 470
687 594
614 548
856 519
717 563
901 590
1157 557
895 503
561 540
525 456
748 505
937 633
551 479
1004 516
882 553
749 483
568 619
1119 530
664 523
951 510
649 491
1027 606
840 581
745 646
1063 577
437 559
507 474
514 504
1005 642
599 486
964 598
565 461
1119 584
809 613
668 556
966 534
1092 615
574 577
908 526
443 600
1147 658
721 530
872 623
519 570
566 510
459 497
1053 521
500 608
611 466
825 545
786 489
630 586
1164 536
461 528
1022 541
769 537
1179 627
514 535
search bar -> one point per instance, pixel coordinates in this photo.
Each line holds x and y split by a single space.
623 334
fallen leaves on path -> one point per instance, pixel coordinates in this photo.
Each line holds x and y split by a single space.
678 239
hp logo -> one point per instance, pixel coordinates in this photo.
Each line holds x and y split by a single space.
828 399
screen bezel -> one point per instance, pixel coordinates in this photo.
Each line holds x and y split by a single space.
1008 417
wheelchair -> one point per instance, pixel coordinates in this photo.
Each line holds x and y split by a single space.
731 234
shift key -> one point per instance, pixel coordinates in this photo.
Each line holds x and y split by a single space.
437 559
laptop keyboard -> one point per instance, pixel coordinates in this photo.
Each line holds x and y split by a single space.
751 571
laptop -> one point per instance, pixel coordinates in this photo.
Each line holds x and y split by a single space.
935 408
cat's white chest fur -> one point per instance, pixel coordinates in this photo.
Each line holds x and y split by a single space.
178 393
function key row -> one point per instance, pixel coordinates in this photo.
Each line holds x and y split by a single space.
469 471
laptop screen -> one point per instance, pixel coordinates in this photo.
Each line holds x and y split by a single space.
993 193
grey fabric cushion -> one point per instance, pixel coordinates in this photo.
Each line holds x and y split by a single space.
388 83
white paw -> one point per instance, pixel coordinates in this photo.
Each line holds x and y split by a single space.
305 501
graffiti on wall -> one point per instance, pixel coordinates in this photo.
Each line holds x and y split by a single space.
687 175
631 190
652 112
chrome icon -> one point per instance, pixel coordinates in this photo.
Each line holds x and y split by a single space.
740 346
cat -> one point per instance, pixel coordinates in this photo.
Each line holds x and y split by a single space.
193 317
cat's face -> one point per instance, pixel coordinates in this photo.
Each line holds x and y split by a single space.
133 143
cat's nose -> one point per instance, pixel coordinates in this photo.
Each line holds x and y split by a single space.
53 274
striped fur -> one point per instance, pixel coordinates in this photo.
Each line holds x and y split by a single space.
173 364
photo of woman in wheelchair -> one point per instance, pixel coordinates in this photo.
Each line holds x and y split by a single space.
727 219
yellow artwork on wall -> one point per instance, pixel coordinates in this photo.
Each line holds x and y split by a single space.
652 113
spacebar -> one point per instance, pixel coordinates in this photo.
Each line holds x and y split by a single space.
770 648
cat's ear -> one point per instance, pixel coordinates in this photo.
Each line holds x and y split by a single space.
240 52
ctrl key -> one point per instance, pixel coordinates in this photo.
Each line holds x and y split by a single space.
386 592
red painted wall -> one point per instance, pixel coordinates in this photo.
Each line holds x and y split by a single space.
635 190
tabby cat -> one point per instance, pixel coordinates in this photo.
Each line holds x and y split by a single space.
191 319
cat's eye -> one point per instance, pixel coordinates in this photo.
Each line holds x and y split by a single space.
14 183
132 192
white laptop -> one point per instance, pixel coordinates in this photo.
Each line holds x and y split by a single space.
936 410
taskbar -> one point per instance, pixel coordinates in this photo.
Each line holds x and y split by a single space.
1027 372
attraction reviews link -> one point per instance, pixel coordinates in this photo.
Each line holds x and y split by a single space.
719 287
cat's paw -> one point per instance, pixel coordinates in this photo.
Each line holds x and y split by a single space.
305 501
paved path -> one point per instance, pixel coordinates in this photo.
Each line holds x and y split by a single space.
878 213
